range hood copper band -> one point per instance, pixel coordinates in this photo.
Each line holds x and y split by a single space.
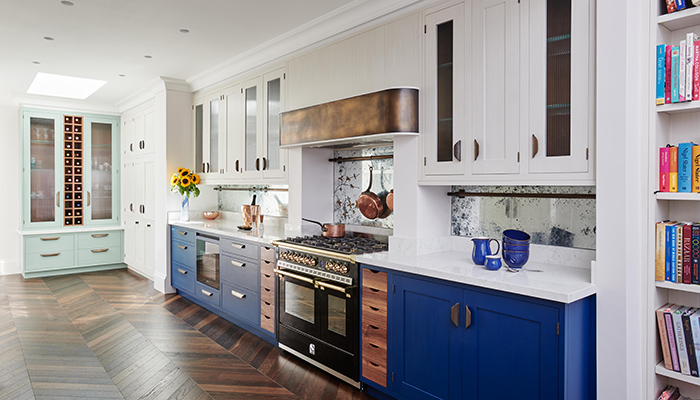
291 246
387 111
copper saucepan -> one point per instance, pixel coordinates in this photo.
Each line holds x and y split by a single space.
390 200
370 205
329 230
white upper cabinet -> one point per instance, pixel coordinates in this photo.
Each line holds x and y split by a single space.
274 159
232 108
444 99
252 126
210 136
139 133
495 57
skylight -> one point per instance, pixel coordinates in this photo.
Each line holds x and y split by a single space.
64 86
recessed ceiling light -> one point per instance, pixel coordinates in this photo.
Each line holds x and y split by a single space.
64 86
36 62
122 75
147 56
185 30
67 3
48 38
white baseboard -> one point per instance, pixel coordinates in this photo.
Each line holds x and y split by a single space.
10 267
141 272
162 284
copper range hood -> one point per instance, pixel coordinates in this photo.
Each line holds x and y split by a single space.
369 118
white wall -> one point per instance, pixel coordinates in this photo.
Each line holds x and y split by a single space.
10 212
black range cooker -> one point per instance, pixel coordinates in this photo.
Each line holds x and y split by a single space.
318 299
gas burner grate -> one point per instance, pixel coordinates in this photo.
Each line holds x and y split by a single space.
344 245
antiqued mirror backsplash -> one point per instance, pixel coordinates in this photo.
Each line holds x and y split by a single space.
567 222
351 178
273 200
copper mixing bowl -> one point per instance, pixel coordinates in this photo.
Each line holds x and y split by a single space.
210 214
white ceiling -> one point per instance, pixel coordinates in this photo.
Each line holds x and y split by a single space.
101 39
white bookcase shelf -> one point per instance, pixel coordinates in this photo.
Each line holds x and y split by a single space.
677 108
678 286
680 19
677 196
661 370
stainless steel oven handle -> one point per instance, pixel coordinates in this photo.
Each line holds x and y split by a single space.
333 287
295 276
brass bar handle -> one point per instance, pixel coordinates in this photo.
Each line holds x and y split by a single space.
454 314
182 271
476 149
469 317
58 198
238 246
237 264
206 293
333 287
88 203
457 150
50 255
99 250
238 294
295 276
100 235
183 233
181 247
49 238
535 146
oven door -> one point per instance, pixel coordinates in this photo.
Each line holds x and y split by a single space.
339 315
299 303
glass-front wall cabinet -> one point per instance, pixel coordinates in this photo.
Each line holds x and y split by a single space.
70 168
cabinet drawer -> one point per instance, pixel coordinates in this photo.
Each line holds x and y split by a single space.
182 278
267 308
267 322
241 302
49 260
375 352
103 255
48 243
267 294
374 371
376 280
374 299
267 280
182 234
207 294
374 318
94 240
240 248
240 271
183 254
267 267
267 253
373 334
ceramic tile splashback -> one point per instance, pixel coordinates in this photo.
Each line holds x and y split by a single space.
351 178
272 202
555 222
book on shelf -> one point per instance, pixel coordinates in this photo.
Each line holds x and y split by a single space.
664 161
696 169
663 335
670 6
667 79
680 339
695 328
682 48
686 260
671 252
668 322
685 167
689 343
670 392
689 61
660 251
675 65
660 73
696 70
679 252
695 254
681 4
673 169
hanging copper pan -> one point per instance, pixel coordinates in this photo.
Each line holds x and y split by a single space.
370 204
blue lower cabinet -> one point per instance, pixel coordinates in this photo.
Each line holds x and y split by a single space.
182 278
207 295
183 253
241 302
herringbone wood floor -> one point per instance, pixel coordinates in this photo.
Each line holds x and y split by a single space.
110 335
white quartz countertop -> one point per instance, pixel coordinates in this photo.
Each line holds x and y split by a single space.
264 234
555 283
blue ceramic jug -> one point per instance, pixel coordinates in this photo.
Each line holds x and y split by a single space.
482 248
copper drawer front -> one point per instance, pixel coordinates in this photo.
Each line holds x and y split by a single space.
267 253
374 326
267 293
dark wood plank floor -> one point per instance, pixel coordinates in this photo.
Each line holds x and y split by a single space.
111 335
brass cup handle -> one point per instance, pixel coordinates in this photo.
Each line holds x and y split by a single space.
237 264
181 247
295 276
206 293
50 255
99 250
333 287
58 198
454 314
238 294
88 202
49 238
469 317
182 271
238 246
100 235
183 233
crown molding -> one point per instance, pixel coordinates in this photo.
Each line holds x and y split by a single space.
342 20
57 103
151 89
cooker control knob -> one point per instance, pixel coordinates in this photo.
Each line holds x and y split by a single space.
344 269
312 262
336 268
330 266
284 255
297 257
307 260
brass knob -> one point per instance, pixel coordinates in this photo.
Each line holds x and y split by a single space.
344 269
312 262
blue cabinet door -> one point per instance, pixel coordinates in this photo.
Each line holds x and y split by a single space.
428 349
511 349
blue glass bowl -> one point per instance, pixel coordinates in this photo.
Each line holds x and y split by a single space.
516 247
515 236
515 259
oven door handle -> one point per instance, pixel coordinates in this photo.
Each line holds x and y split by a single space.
333 287
295 276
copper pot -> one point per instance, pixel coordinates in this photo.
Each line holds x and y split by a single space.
329 230
370 205
390 200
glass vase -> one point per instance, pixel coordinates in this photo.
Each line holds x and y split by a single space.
185 210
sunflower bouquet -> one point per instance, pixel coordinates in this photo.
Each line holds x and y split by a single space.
185 182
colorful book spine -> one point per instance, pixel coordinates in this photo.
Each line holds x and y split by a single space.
675 55
664 164
687 240
695 327
668 319
689 344
680 340
695 254
671 253
681 71
673 169
680 4
689 54
667 80
685 167
660 251
663 335
660 73
670 6
679 253
696 169
696 70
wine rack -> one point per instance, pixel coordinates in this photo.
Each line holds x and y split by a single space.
73 170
